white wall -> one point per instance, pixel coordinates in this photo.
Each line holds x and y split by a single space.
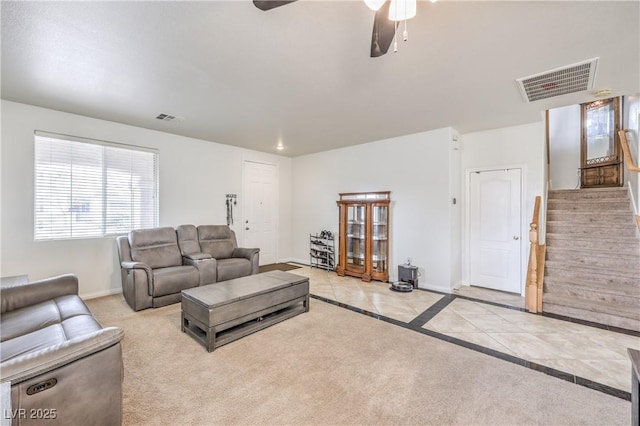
521 146
564 147
416 169
456 192
195 175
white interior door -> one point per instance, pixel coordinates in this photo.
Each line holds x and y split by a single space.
261 199
494 229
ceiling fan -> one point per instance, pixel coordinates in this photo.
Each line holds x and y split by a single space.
384 29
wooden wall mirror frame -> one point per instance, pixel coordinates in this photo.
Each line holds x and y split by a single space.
600 157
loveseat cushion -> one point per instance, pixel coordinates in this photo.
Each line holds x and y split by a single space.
229 269
157 247
45 324
174 279
217 240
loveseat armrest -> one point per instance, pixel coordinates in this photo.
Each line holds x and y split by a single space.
207 267
139 265
252 254
196 256
135 265
30 293
31 365
247 253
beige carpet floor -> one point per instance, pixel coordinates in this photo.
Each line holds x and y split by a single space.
333 366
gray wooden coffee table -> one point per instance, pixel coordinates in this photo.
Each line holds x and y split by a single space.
219 313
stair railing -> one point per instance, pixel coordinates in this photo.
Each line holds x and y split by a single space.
535 271
628 159
631 166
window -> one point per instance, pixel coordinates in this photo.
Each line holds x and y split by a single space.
86 188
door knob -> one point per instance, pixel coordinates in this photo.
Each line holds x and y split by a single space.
246 229
515 237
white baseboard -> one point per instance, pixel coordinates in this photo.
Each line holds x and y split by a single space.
440 289
300 261
87 296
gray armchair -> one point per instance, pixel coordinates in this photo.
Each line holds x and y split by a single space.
153 270
59 361
218 242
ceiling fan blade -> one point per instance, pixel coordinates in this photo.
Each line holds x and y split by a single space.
270 4
384 30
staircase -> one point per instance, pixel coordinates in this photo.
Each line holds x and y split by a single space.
592 268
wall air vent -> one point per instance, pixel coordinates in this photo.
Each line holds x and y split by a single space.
560 81
165 117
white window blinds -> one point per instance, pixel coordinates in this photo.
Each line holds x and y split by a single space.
86 188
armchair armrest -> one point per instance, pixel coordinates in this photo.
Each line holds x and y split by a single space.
247 253
30 293
31 365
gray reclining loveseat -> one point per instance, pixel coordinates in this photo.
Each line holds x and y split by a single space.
218 242
155 268
61 365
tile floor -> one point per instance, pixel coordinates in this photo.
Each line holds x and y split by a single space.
590 353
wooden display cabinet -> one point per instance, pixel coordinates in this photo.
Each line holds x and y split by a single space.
364 235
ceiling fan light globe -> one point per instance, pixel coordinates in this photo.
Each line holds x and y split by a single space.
401 10
374 4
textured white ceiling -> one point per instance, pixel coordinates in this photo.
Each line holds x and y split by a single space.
301 73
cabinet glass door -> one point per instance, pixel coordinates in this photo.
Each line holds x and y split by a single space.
379 216
355 237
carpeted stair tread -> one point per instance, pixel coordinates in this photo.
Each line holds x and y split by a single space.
622 244
594 253
591 316
631 312
582 217
599 229
561 285
589 238
594 204
588 194
591 258
628 275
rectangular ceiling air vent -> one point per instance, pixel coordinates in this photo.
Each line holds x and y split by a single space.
560 81
165 117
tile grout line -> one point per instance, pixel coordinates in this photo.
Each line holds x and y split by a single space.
580 381
432 311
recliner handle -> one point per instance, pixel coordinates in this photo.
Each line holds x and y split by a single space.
42 386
